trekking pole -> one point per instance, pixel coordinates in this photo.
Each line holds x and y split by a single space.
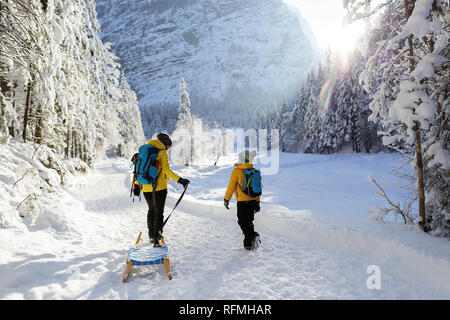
217 159
132 186
176 204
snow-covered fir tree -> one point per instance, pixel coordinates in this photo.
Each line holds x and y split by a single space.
183 149
352 108
406 77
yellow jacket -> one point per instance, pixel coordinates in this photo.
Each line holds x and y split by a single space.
164 169
237 177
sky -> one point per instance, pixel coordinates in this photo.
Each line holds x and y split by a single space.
325 18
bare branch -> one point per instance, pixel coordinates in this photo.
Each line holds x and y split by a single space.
405 212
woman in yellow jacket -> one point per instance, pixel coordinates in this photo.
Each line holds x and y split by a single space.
164 174
246 206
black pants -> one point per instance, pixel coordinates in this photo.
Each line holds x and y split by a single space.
246 215
155 213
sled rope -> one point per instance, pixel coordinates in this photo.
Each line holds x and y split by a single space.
176 204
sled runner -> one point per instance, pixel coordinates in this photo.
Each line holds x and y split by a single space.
147 256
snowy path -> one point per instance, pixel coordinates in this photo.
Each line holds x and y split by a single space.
304 254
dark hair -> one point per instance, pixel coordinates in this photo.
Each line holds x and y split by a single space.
165 139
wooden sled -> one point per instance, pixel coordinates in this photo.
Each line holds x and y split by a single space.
147 256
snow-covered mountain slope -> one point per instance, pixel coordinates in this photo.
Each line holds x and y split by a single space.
316 240
231 53
308 31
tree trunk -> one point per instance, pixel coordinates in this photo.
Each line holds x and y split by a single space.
12 132
409 7
39 126
79 147
72 151
420 184
26 112
67 148
4 88
75 144
84 149
13 98
367 144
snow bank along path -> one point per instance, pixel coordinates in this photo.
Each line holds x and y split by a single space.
316 241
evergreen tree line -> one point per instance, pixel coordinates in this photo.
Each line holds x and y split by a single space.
160 117
60 86
330 112
163 116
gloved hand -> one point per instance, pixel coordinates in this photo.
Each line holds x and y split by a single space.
257 208
137 189
135 157
226 203
183 182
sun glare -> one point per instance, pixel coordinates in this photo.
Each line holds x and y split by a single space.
326 20
346 41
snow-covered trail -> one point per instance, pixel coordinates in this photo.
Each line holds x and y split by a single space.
304 254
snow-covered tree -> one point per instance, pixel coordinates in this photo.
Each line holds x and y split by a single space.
404 74
352 108
291 122
60 85
183 150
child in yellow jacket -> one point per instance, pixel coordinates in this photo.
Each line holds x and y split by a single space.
246 206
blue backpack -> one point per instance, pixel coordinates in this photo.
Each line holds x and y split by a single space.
252 185
147 166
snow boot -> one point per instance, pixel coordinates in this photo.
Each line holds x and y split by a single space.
252 244
159 242
255 242
248 244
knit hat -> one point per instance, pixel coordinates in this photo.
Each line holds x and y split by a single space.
165 139
246 156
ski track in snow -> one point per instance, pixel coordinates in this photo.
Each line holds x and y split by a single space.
304 254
